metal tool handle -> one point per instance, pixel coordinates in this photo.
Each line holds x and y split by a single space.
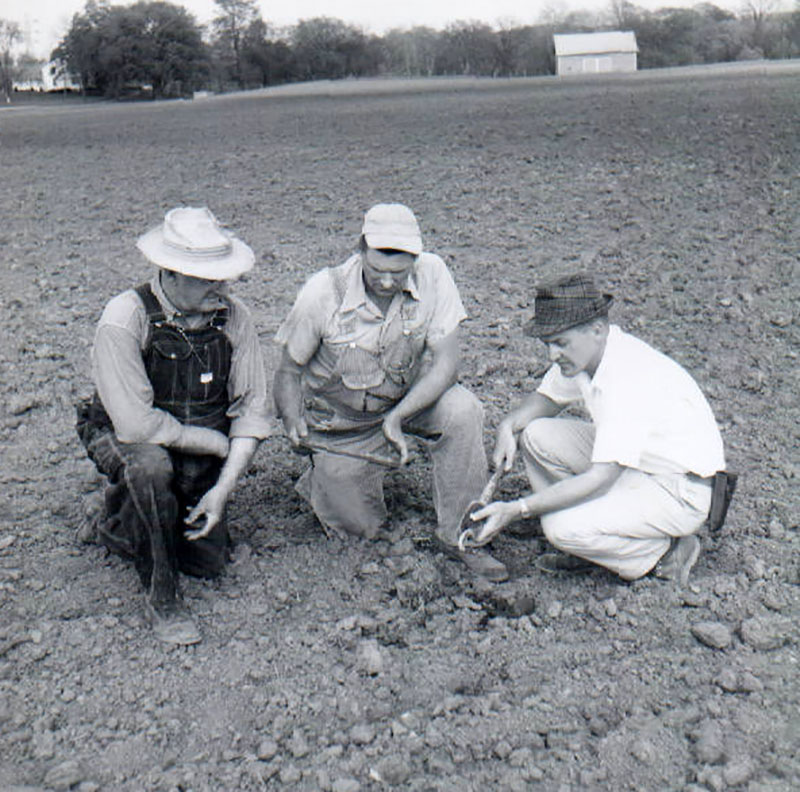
365 455
467 536
491 485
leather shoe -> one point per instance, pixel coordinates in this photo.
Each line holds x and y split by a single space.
561 562
678 561
478 560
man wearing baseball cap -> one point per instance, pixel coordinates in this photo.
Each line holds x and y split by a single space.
370 353
179 409
630 488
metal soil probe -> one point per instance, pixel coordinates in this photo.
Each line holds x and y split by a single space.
466 536
378 459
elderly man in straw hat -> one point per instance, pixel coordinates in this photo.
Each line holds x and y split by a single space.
370 352
179 409
632 487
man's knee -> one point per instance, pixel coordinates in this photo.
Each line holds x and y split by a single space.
563 532
460 410
148 465
540 438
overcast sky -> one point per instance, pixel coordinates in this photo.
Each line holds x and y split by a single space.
45 21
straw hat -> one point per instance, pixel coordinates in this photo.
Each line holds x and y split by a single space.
191 241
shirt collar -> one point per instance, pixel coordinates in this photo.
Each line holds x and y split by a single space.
609 354
355 294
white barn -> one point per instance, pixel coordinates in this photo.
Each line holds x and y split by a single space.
595 53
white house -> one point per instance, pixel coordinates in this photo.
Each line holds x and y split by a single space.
55 77
595 53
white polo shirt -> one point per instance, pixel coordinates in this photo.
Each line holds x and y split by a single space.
649 414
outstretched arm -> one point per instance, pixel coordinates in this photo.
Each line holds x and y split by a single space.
535 406
561 495
212 504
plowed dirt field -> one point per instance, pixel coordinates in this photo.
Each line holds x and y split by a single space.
347 666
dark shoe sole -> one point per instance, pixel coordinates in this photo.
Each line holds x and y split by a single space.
476 560
560 562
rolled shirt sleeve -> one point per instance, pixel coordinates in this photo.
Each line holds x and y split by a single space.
448 312
247 384
303 329
559 389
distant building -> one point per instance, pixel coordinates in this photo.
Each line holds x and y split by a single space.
595 53
55 77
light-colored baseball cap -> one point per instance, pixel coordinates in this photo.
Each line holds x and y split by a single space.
191 241
392 226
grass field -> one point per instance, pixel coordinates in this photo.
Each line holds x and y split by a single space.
678 190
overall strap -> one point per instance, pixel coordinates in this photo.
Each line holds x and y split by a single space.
220 318
154 312
339 281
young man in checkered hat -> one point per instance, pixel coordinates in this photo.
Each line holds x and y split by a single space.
629 489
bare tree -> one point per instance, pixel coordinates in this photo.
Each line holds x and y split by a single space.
758 12
623 13
10 34
230 26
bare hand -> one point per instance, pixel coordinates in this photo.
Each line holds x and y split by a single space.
210 507
497 515
393 432
505 450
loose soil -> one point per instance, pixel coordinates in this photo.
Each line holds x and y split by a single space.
359 665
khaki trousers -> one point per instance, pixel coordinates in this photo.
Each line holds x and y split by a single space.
347 494
628 528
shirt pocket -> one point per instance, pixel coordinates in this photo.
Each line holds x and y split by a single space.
400 357
358 368
172 349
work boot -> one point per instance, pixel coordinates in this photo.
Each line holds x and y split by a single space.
478 560
678 561
171 622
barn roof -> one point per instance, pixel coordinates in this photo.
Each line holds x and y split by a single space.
595 43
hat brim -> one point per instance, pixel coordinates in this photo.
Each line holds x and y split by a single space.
236 262
406 243
545 329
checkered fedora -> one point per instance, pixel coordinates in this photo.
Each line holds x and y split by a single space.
568 302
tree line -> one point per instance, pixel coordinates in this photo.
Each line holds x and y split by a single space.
112 49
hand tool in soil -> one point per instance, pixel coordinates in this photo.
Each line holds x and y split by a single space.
378 459
467 531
